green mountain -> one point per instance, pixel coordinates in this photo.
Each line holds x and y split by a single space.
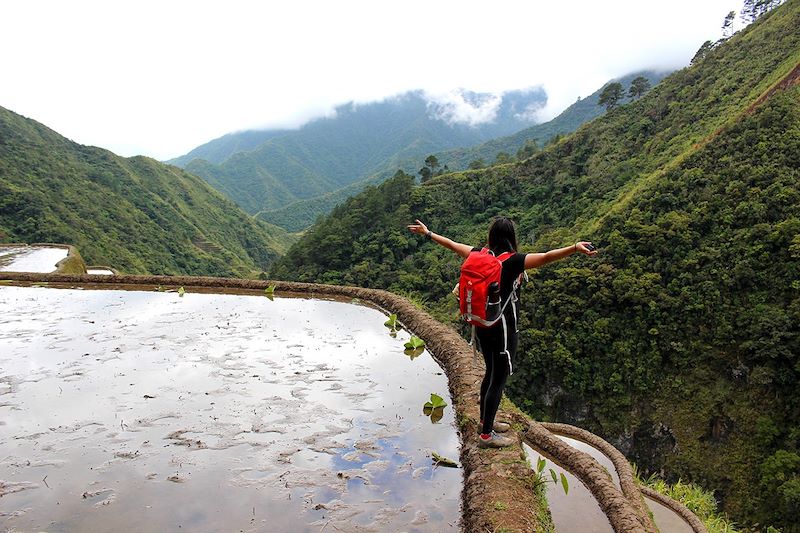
269 170
680 342
301 214
579 113
135 214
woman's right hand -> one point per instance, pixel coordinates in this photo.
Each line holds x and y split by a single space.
419 227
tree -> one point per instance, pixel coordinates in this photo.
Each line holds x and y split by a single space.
639 86
432 162
425 174
727 25
502 158
430 169
704 49
528 149
476 164
611 95
753 9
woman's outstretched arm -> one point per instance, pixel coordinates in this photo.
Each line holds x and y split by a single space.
461 249
541 259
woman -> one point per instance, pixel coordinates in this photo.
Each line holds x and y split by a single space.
499 342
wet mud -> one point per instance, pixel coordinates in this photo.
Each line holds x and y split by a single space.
125 410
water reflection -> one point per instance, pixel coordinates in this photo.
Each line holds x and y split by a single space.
214 412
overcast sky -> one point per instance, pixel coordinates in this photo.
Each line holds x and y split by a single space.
161 77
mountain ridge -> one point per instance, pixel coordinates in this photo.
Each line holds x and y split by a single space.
300 214
135 214
360 141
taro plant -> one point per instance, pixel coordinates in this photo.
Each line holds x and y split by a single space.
181 292
269 292
434 408
414 347
393 325
555 478
392 322
414 343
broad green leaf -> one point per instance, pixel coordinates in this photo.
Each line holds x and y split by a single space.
437 414
392 322
554 476
437 401
414 342
564 483
540 465
181 292
270 289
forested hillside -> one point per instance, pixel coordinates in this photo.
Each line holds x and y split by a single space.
537 136
137 215
301 214
268 170
680 342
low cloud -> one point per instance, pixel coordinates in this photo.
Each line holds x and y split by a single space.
464 107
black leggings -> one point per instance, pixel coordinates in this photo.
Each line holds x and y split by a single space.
498 345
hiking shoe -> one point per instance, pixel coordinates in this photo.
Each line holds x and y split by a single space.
499 427
494 441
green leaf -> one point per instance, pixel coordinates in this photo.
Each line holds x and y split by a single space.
553 475
392 322
437 401
413 353
564 483
414 342
270 289
540 464
181 292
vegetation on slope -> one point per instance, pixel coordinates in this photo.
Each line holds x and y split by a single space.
327 154
680 343
579 113
301 214
136 214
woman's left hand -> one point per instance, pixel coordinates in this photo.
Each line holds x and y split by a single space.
585 247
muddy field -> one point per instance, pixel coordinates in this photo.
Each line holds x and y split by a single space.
124 410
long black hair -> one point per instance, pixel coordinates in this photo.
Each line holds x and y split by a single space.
502 236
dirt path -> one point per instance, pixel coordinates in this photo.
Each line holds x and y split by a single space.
497 491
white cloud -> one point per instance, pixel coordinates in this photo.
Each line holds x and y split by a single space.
461 107
160 78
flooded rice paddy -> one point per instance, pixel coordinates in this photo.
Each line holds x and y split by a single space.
579 511
99 271
148 411
30 258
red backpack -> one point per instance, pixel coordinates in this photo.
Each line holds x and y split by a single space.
479 270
